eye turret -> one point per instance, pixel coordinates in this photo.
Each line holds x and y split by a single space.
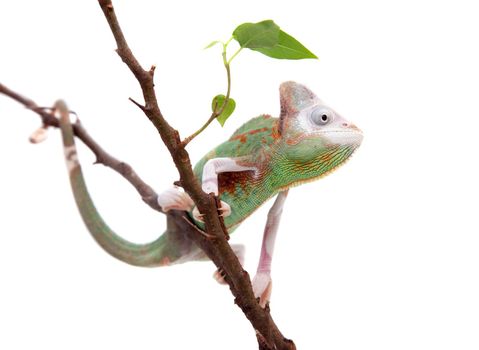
322 116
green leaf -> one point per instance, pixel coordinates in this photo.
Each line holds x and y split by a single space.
257 35
287 48
211 44
217 104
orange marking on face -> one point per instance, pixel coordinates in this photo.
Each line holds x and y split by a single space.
326 157
300 167
291 142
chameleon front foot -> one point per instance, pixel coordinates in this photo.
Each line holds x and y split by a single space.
225 210
175 198
262 287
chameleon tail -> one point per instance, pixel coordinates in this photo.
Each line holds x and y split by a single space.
157 253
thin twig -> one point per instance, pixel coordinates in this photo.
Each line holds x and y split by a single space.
200 231
139 105
146 192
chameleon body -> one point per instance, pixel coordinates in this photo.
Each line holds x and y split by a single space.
279 164
263 158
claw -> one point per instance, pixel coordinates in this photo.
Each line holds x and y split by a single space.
219 276
262 287
239 250
197 215
225 210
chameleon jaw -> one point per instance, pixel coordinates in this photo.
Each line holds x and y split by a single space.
314 178
352 136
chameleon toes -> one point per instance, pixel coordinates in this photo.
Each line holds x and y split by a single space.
219 276
225 209
262 287
175 198
197 215
239 250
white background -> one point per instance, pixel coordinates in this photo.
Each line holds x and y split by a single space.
383 254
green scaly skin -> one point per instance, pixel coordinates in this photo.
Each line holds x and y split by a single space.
168 247
260 145
285 152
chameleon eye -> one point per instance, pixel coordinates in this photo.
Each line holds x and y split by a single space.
321 116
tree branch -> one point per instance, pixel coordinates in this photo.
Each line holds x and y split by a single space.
217 249
147 193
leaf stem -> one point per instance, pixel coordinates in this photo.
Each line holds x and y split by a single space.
217 111
234 55
226 44
228 76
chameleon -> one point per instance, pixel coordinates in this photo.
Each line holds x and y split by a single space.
264 158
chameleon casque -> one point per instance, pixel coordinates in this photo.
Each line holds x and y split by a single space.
263 158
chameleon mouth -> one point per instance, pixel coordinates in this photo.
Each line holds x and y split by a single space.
347 137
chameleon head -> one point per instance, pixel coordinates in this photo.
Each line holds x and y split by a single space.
315 138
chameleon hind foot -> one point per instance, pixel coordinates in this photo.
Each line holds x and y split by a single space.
239 251
262 287
175 198
219 276
262 284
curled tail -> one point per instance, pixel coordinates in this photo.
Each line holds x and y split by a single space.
163 251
